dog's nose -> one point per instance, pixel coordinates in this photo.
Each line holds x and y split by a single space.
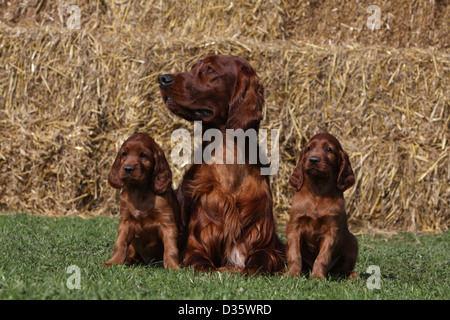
165 80
314 160
128 169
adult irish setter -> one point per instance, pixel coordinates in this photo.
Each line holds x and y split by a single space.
226 209
148 206
318 238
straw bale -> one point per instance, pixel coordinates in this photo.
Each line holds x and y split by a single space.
69 98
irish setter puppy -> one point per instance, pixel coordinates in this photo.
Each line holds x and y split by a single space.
226 209
148 206
318 238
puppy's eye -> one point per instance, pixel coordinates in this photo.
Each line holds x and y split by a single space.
309 148
328 149
209 70
124 154
143 155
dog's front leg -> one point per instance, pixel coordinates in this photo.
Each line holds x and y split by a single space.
293 252
323 260
121 245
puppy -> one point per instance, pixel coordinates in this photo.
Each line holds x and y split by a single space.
318 238
148 207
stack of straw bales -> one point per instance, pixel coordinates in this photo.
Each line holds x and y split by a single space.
70 97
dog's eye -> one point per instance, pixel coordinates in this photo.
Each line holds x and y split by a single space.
328 149
124 154
309 148
143 155
209 69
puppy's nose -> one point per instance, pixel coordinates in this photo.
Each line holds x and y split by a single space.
165 80
128 169
314 160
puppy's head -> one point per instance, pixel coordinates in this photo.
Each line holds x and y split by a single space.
324 159
140 162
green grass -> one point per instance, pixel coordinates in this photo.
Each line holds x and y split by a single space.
35 253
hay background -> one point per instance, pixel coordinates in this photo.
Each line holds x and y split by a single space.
69 98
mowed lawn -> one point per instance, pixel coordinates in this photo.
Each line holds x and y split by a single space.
36 255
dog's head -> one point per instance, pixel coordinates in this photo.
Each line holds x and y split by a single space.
140 162
324 159
222 91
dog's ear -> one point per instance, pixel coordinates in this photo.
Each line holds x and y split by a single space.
296 179
247 101
162 175
113 178
346 177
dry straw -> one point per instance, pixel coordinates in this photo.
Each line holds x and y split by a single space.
69 98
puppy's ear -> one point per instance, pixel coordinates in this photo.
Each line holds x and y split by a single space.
113 178
296 179
245 107
346 177
162 175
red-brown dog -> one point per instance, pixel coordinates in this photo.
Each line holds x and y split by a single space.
226 209
148 207
317 232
